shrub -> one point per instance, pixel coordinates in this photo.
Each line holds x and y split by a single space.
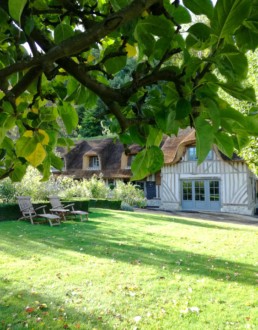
126 207
68 188
105 204
129 194
96 185
7 191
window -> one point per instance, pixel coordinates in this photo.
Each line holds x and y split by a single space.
94 162
187 190
199 190
192 154
130 160
214 190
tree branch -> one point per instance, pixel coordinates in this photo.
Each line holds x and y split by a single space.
80 42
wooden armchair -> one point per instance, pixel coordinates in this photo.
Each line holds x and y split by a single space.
59 208
29 212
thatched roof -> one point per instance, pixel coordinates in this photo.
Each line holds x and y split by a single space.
174 146
109 152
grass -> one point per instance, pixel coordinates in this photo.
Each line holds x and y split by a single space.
126 270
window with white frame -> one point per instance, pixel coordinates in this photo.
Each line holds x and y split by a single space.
192 154
94 162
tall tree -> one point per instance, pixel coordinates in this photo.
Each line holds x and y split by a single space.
77 47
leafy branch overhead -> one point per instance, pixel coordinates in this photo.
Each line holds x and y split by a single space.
57 55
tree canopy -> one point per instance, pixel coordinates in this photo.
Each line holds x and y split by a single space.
57 55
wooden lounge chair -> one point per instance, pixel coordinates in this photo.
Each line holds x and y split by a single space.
59 208
29 212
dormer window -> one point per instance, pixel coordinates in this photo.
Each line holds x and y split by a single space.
130 159
192 154
91 162
94 162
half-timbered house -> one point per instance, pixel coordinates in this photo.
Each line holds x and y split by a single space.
218 184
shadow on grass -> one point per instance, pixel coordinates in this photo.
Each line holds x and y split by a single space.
26 309
101 240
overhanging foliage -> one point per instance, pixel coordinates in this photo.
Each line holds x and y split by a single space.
77 47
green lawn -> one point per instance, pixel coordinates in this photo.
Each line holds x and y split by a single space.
126 270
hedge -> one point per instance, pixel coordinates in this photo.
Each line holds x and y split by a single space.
105 204
11 211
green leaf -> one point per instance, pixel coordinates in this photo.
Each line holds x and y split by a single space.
233 121
69 116
48 113
83 96
192 65
200 7
171 94
154 137
65 142
6 122
165 120
200 31
137 135
160 49
204 138
16 8
115 64
225 143
3 132
37 156
232 63
156 25
242 140
252 125
146 162
61 91
246 39
233 114
119 4
180 14
213 112
7 106
25 146
198 34
183 109
18 173
4 17
152 26
239 92
228 16
62 32
206 90
56 162
45 169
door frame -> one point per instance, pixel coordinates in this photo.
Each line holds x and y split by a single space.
205 197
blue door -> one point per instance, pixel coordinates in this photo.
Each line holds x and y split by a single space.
151 189
201 195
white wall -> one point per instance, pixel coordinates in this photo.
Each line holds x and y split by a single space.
237 183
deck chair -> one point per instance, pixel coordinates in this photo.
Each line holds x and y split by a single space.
29 212
59 208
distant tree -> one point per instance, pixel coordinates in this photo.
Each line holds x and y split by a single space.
90 124
78 47
95 121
